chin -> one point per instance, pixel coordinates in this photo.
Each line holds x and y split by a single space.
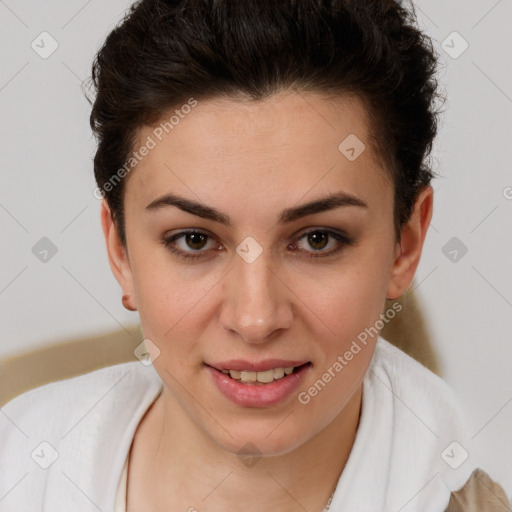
263 441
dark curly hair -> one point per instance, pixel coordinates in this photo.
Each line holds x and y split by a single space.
164 52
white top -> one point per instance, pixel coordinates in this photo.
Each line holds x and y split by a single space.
122 491
63 446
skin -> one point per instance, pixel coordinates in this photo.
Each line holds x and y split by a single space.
251 160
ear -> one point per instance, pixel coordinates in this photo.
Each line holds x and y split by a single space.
408 251
117 254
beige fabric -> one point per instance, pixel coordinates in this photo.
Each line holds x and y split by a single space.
22 372
409 331
480 494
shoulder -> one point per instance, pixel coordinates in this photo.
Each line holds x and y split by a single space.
56 399
406 375
112 395
430 413
417 395
82 418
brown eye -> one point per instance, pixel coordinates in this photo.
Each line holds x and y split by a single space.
318 239
196 240
191 244
321 242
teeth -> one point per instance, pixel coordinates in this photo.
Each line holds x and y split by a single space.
265 377
262 377
248 376
278 373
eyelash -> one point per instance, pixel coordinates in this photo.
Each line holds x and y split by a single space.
195 255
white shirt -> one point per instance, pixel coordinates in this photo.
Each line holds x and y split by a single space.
122 491
63 446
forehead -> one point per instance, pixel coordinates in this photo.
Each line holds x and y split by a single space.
286 145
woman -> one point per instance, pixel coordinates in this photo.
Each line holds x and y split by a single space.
264 190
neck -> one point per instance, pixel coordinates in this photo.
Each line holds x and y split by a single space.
176 466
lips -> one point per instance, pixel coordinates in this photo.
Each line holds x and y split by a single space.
261 366
257 394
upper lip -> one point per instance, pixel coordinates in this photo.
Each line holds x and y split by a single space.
252 366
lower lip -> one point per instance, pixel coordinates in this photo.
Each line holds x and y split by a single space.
254 395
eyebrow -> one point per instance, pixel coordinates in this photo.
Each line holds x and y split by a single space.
323 204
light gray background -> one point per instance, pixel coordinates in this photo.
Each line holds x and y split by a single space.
47 190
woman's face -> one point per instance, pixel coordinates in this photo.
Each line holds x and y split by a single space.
265 277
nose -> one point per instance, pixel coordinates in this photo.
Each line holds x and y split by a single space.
255 302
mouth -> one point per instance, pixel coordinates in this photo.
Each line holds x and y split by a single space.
266 388
263 377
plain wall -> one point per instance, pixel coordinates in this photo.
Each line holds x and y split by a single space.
47 191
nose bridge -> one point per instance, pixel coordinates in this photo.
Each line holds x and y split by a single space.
254 305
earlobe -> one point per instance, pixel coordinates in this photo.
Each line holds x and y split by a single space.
408 252
117 254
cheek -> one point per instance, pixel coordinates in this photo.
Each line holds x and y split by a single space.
169 305
167 289
165 299
349 307
345 301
